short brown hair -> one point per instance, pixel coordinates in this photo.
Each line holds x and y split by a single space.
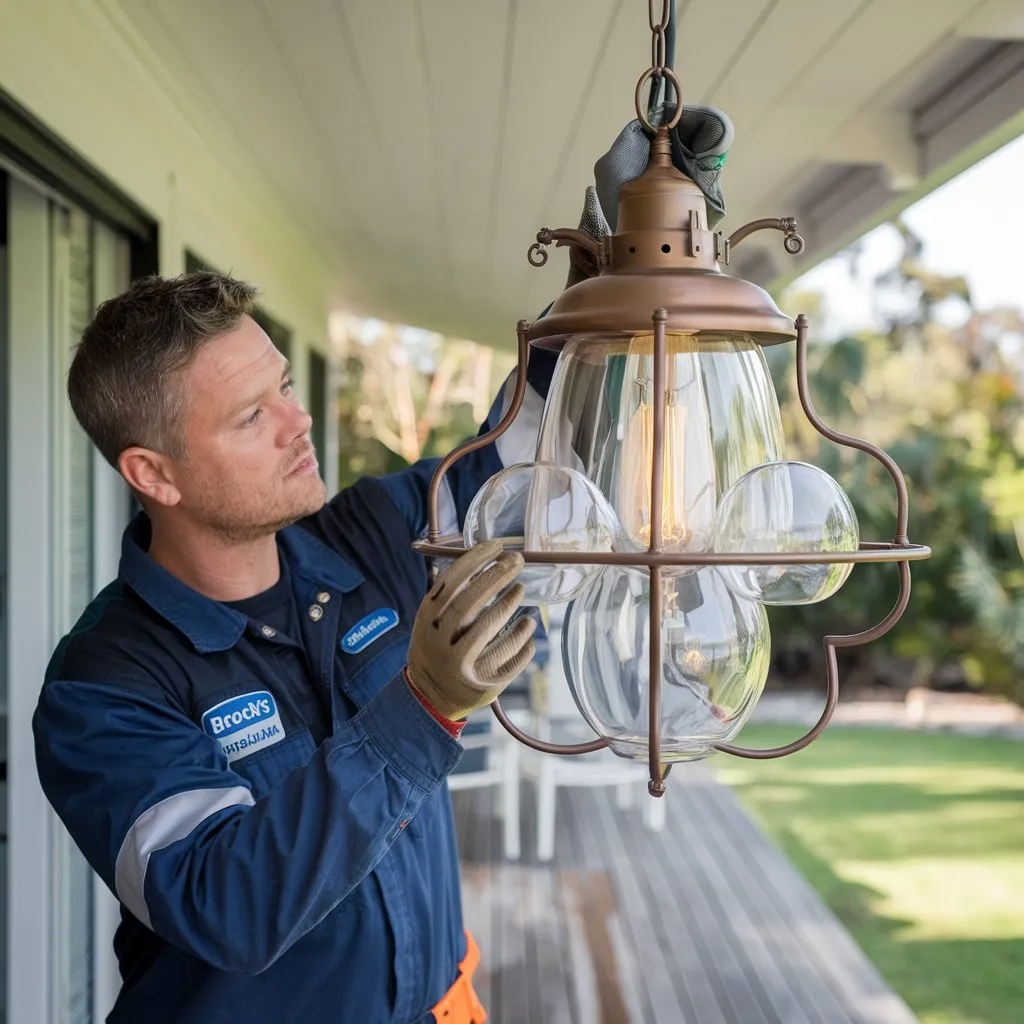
122 382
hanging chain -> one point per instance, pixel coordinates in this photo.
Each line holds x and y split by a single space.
659 73
659 49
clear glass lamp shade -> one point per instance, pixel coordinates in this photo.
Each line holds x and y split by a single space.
716 650
721 419
786 506
540 507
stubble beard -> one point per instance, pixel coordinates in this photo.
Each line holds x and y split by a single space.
235 526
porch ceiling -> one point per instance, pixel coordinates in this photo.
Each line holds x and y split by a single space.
426 141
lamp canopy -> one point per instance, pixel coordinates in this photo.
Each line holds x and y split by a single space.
662 255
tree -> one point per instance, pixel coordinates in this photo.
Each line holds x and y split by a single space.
946 403
408 393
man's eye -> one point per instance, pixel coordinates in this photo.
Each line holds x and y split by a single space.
250 420
288 386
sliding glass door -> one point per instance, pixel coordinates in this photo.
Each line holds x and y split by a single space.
65 510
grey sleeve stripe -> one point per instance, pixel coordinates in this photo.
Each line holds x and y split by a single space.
160 826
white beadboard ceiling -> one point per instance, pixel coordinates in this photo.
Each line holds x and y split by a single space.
426 141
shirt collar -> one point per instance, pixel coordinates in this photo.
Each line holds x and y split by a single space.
208 624
315 562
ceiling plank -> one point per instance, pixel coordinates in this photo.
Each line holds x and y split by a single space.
709 33
468 46
388 48
995 19
243 78
428 140
554 50
796 36
877 46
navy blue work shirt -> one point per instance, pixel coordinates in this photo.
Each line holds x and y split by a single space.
265 878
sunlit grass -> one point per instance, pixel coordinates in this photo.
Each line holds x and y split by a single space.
916 841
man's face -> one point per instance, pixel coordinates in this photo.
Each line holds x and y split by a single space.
251 467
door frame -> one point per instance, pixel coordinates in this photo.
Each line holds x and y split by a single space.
30 605
38 346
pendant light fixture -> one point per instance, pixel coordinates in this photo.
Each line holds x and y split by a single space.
661 504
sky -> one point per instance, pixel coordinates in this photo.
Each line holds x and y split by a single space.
973 225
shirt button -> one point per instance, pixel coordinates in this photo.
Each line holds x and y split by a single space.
268 631
316 613
323 597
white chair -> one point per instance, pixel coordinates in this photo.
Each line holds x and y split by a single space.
500 767
555 717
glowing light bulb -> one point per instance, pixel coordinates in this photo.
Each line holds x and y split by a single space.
688 468
721 420
634 491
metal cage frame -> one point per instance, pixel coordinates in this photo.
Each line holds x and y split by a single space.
655 559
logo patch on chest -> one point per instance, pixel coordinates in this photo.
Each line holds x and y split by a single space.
366 630
244 724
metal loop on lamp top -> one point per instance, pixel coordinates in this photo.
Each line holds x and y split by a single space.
671 76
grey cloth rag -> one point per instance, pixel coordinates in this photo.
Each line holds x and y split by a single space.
700 144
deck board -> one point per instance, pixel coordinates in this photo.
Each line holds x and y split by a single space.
704 923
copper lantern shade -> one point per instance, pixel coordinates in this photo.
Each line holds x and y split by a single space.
660 272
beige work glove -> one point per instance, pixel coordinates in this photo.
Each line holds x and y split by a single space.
461 656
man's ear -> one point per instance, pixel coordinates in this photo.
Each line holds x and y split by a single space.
150 474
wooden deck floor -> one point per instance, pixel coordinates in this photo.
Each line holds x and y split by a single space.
703 923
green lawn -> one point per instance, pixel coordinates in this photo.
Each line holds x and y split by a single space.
916 841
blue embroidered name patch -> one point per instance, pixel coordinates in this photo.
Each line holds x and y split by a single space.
242 725
366 630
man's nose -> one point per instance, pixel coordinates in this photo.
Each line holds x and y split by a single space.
298 422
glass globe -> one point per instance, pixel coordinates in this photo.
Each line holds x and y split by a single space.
716 650
786 506
540 507
721 419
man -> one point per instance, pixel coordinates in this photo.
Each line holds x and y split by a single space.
248 733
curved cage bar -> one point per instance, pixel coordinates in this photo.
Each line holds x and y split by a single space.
544 746
883 627
832 690
433 494
848 440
